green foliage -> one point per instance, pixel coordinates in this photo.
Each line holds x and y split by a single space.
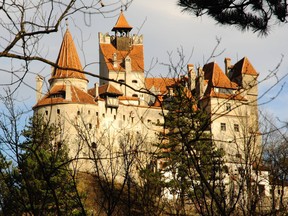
256 15
41 182
189 154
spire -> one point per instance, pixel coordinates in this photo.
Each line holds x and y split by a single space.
122 23
68 58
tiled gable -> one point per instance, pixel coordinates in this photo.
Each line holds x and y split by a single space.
109 89
216 78
243 67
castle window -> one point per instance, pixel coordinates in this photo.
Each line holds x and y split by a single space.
121 80
60 94
236 127
59 145
223 127
123 117
134 95
97 114
78 112
103 115
228 106
114 117
58 111
90 126
46 112
134 81
93 145
261 189
238 155
88 112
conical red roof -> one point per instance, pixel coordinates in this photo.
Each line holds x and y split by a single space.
122 23
68 58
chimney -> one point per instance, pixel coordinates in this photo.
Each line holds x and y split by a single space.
227 62
39 87
128 67
68 95
200 82
96 86
191 76
114 60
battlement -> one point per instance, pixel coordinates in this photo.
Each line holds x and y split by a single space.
105 38
137 39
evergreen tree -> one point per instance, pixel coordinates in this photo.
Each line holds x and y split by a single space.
255 15
191 160
44 181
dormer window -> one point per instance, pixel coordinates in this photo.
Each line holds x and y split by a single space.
60 94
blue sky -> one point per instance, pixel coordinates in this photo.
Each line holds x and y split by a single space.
166 29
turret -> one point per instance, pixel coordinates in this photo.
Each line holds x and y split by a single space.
122 30
68 65
39 87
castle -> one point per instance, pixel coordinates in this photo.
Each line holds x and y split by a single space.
127 102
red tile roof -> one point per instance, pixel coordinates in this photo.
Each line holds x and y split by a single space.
243 67
77 96
68 58
136 54
159 83
109 89
216 78
121 23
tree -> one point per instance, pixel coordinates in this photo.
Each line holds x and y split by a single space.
116 162
25 25
275 158
45 179
35 177
254 15
189 156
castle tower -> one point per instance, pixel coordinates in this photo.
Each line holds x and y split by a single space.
68 58
68 85
122 30
244 74
122 59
